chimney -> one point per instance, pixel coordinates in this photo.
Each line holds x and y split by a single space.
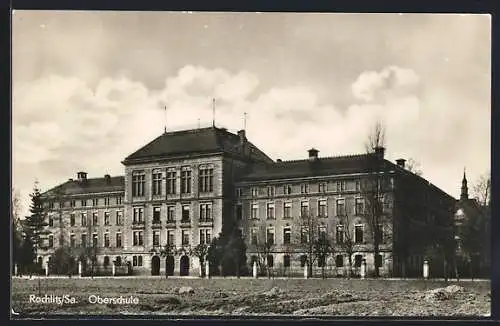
81 176
379 152
313 154
70 179
242 135
401 162
107 177
279 160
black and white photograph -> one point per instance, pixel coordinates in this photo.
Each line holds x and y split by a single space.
294 165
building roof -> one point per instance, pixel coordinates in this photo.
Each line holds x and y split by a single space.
193 141
307 168
87 186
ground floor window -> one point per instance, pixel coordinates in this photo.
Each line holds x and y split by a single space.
357 260
303 260
339 261
378 261
270 261
286 260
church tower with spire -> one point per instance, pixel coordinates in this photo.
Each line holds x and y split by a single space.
464 195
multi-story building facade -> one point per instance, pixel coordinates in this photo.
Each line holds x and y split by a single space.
184 187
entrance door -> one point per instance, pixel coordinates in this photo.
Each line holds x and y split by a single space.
169 265
155 265
184 268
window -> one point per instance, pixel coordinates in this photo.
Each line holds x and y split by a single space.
185 237
106 239
205 212
72 219
340 233
170 214
139 260
339 261
341 207
357 261
138 238
51 205
156 214
270 261
303 260
270 236
378 260
119 200
106 218
255 211
138 215
83 217
84 240
51 221
321 261
134 260
185 214
138 183
304 188
322 187
341 186
106 201
380 233
322 233
270 211
304 209
287 210
94 240
270 191
170 237
255 192
358 185
358 206
322 211
287 235
156 238
185 180
61 204
358 233
205 236
118 261
287 189
72 240
118 240
238 192
253 236
239 212
83 202
157 177
119 218
72 203
95 201
304 235
106 261
171 180
286 261
206 179
95 218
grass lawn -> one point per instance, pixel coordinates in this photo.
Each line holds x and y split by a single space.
248 296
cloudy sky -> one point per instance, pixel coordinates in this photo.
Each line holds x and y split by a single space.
89 87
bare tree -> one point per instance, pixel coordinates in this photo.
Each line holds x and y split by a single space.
372 187
323 247
345 239
309 228
482 189
264 247
200 251
169 250
413 166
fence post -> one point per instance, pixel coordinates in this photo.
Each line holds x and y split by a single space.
207 269
306 271
80 268
363 269
113 269
254 269
47 268
426 269
15 270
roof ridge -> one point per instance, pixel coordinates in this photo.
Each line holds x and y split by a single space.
324 158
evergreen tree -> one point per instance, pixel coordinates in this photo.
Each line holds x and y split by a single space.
35 224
